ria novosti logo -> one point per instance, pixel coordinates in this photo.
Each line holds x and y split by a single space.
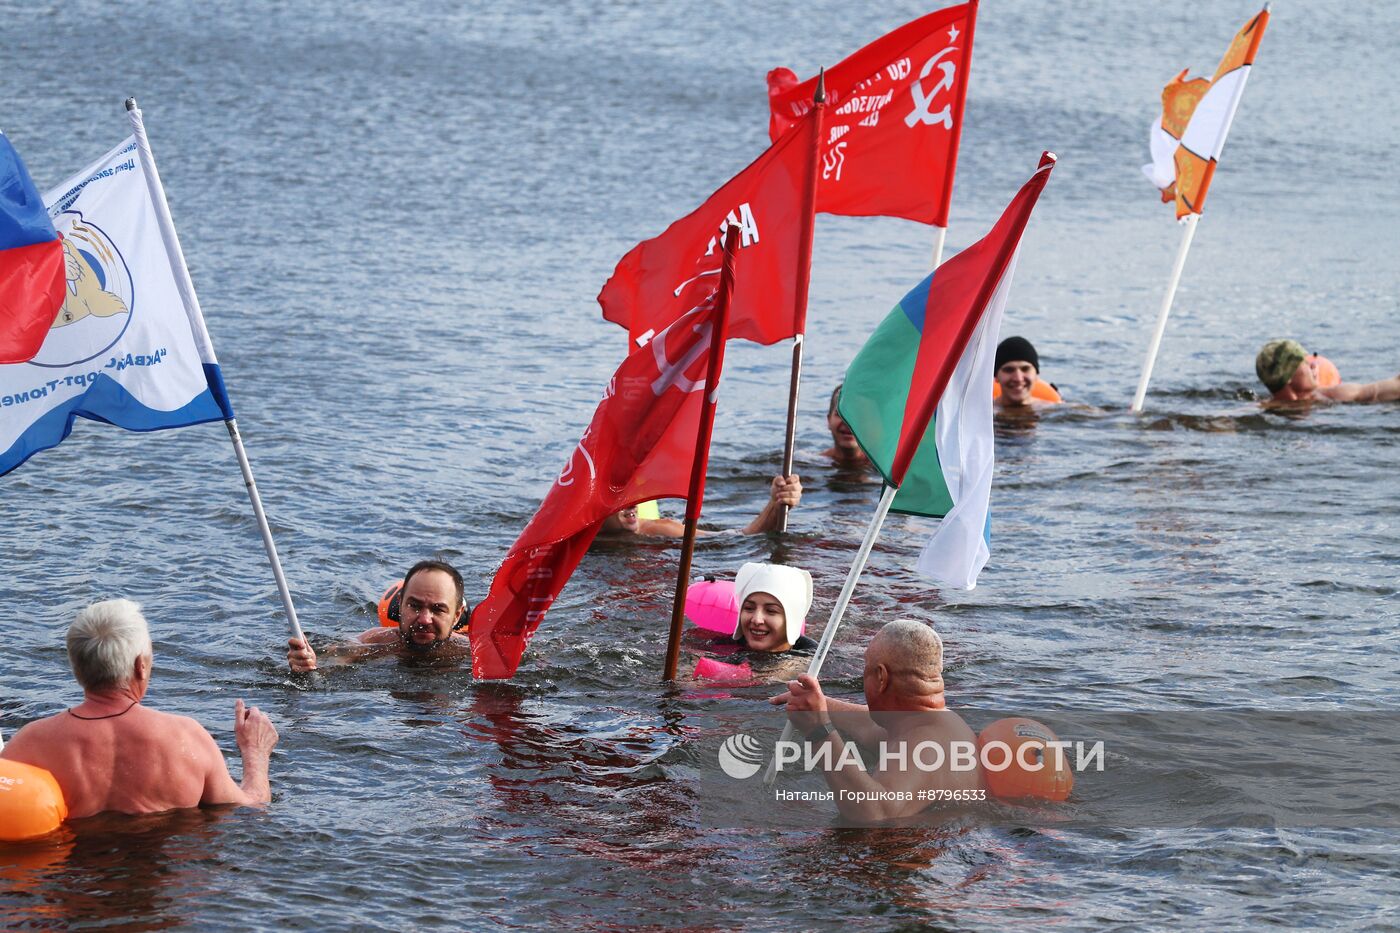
741 756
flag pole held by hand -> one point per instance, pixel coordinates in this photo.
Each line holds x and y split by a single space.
804 281
185 285
839 611
696 495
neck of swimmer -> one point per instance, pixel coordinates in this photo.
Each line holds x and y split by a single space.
912 703
109 700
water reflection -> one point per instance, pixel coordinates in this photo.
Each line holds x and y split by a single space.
110 870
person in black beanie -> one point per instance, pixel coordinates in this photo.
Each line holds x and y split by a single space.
1017 368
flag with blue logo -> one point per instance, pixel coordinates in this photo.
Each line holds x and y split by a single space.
128 347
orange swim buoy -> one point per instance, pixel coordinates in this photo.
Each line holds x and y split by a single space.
31 802
389 605
1039 389
1016 764
1324 371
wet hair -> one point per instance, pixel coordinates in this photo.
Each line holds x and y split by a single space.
104 642
445 568
913 645
835 399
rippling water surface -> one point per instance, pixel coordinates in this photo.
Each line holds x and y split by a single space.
398 215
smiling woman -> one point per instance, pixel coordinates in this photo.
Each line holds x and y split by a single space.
773 603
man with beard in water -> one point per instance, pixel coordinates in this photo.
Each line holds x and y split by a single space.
431 611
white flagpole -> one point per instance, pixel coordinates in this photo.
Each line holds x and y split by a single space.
1189 231
842 601
938 246
201 336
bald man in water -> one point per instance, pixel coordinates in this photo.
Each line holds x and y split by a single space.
1283 367
904 706
111 753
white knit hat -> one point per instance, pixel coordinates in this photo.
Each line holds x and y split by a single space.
791 586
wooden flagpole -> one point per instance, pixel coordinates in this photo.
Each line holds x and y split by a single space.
696 494
804 280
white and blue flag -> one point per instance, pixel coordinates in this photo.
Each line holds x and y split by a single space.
129 346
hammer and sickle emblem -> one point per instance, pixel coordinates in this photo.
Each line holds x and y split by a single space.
673 374
922 101
566 476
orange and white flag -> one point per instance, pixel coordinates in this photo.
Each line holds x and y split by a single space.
1196 117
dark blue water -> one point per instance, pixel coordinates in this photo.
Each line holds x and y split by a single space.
398 216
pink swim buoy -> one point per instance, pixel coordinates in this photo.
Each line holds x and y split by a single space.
712 605
710 669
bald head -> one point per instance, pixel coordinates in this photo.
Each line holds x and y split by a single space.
904 668
905 644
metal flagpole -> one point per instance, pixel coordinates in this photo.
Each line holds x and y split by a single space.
842 601
201 336
696 493
804 281
938 246
1166 309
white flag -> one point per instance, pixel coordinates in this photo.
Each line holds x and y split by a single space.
123 348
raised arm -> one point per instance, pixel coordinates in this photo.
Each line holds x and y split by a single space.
784 490
256 737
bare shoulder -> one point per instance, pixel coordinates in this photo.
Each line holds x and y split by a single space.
378 636
1344 392
661 527
184 727
32 738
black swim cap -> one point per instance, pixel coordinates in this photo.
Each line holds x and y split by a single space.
1016 348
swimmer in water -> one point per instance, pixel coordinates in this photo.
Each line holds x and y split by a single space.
904 707
1016 369
112 752
431 611
1284 368
845 450
782 491
774 600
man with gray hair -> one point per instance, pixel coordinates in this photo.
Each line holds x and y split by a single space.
904 708
111 753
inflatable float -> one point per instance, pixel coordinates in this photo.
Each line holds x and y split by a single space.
31 802
1039 389
1015 765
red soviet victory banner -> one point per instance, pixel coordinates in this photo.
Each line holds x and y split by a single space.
661 278
639 446
894 116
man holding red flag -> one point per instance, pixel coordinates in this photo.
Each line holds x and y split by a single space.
893 119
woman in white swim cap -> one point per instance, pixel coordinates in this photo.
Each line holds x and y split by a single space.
773 603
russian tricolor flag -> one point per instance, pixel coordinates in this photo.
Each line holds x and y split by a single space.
32 279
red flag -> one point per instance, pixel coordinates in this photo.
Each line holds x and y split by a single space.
663 277
640 445
33 281
893 119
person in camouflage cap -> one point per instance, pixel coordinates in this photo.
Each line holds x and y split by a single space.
1284 368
